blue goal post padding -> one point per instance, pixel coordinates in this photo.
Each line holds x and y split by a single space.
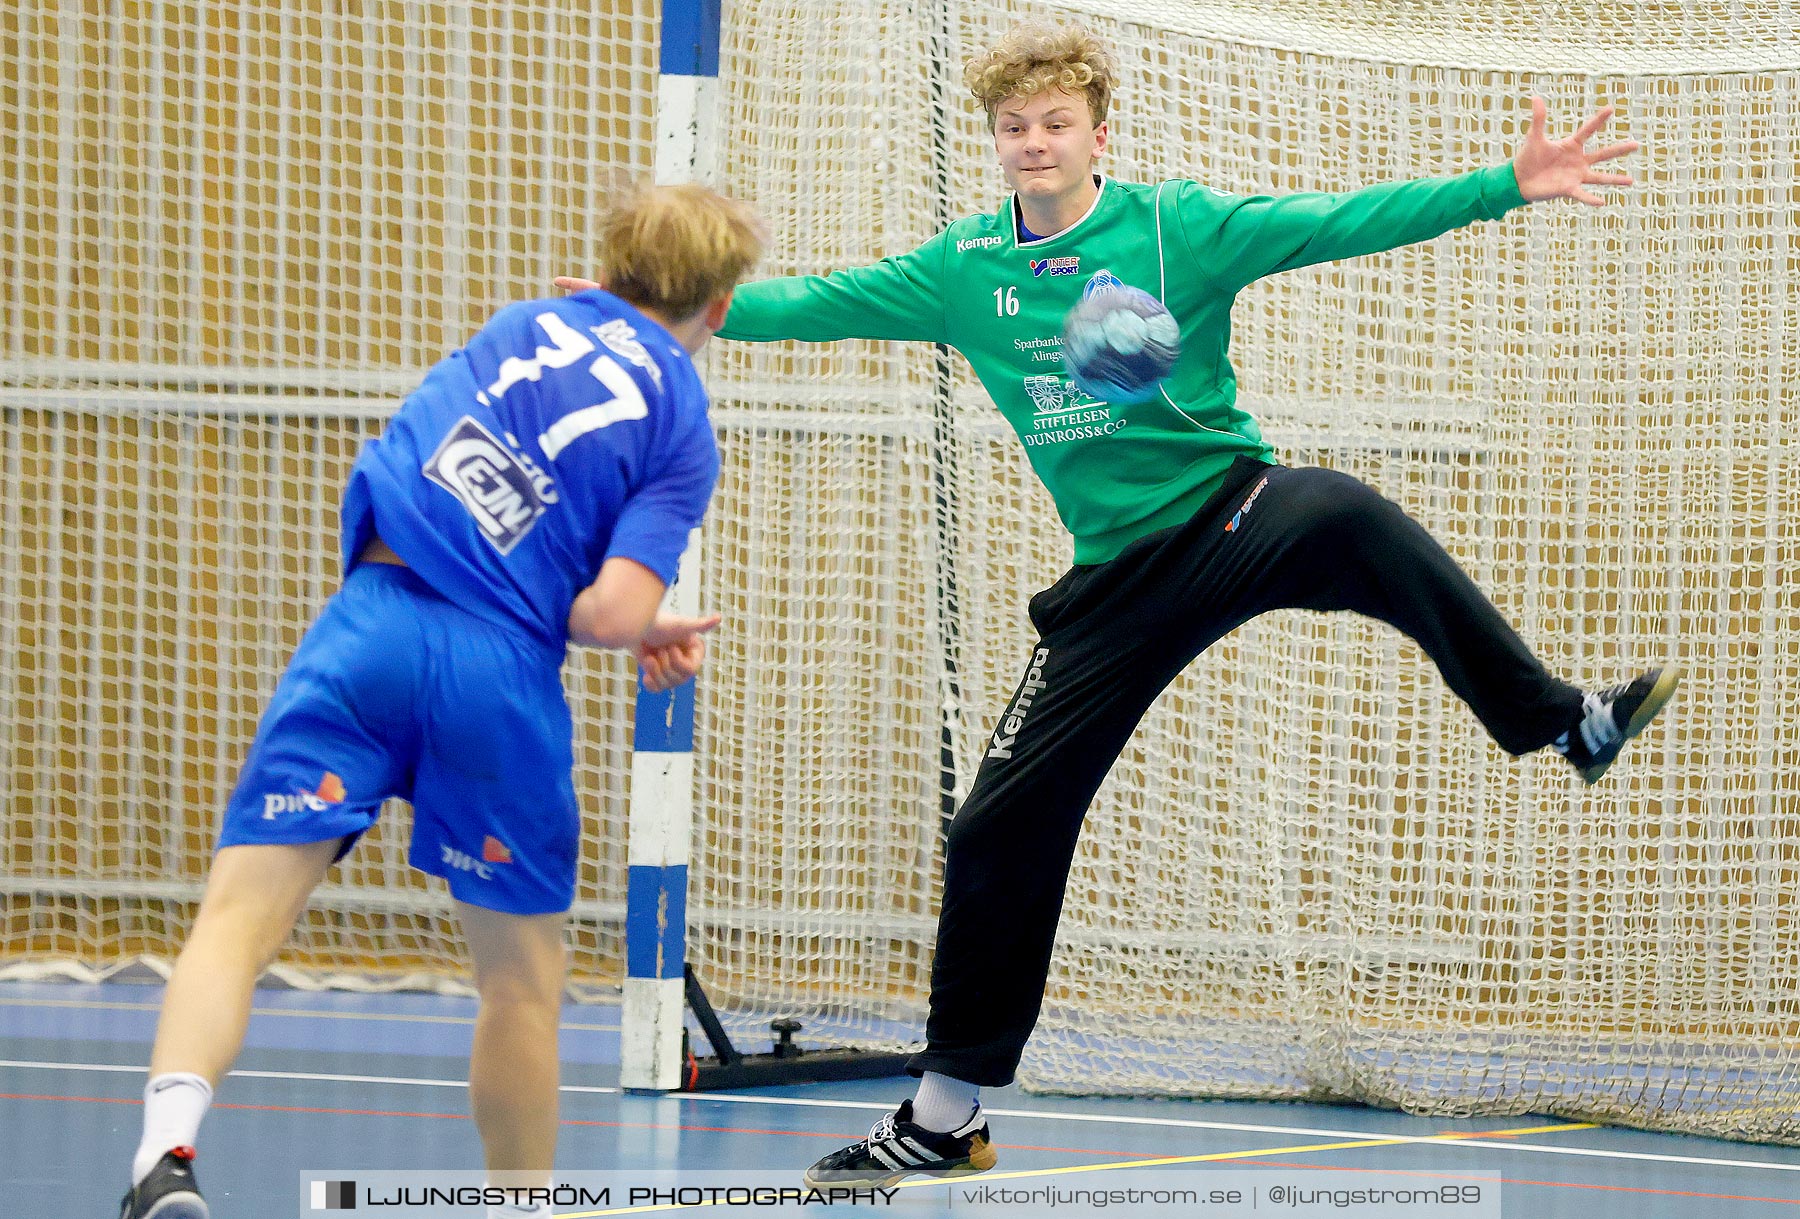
690 38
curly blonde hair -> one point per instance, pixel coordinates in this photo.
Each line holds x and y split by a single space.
1038 55
674 249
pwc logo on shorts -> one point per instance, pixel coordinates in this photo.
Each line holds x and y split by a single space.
329 792
493 851
489 480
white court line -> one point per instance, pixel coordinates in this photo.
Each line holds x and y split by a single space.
334 1079
1464 1142
301 1012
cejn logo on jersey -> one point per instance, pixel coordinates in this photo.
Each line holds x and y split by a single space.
489 480
504 490
329 792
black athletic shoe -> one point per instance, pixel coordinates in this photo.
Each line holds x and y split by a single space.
898 1147
1612 717
169 1192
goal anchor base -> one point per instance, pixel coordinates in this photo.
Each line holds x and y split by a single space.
785 1063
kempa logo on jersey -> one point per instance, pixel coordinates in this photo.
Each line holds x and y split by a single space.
1015 716
493 851
1056 266
1247 505
977 243
489 480
330 791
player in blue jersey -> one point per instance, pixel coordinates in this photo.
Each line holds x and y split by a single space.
537 489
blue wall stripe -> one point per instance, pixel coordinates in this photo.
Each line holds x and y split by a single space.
665 722
655 921
690 38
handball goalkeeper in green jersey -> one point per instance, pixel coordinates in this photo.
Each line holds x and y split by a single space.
1184 526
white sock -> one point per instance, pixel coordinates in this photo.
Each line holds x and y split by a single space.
943 1103
173 1106
521 1210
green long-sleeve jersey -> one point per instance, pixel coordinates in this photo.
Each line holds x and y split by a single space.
1116 472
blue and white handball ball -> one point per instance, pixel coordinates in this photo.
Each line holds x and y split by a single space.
1119 343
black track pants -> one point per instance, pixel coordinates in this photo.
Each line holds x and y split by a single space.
1111 636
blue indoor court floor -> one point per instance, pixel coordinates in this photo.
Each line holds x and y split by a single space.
375 1082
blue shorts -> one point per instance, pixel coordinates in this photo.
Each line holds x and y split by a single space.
396 691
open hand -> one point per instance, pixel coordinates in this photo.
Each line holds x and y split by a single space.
1564 169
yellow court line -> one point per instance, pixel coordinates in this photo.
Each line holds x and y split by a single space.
1216 1156
1165 1161
1500 1134
287 1011
1158 1162
984 1178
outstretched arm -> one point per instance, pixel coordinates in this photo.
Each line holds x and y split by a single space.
1564 169
897 298
1236 240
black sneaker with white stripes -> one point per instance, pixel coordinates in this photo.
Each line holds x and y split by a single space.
168 1192
898 1147
1609 718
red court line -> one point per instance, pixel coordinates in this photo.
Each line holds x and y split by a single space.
451 1117
567 1121
815 1134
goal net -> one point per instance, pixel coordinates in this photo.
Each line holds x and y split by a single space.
232 236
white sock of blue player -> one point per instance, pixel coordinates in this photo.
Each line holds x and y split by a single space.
173 1106
943 1103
